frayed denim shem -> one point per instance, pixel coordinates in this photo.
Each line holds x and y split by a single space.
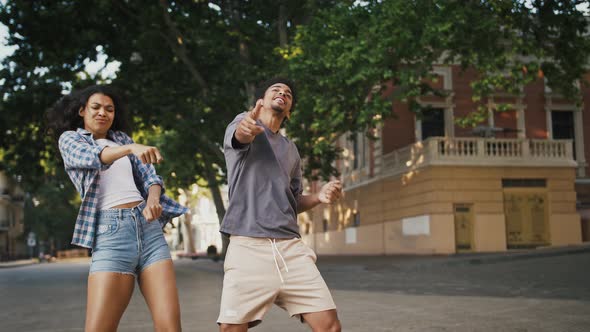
127 243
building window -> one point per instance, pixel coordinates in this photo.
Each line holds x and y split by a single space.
356 219
524 183
433 123
358 143
562 125
325 225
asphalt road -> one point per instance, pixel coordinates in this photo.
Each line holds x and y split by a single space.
545 293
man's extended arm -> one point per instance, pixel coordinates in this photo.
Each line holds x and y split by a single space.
330 192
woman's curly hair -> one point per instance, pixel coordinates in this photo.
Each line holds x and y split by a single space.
64 115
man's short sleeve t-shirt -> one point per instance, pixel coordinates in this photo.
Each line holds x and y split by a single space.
264 179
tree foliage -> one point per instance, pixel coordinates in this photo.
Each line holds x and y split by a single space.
347 54
188 67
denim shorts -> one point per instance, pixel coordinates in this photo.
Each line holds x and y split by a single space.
127 243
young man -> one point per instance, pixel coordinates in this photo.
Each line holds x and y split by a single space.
266 261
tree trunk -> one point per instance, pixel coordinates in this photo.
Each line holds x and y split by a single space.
175 40
188 238
218 200
282 24
230 8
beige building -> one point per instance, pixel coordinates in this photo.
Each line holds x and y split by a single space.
427 186
12 243
204 224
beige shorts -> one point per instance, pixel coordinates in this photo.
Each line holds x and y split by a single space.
260 272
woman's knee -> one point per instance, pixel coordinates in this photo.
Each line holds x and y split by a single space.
167 324
168 328
94 325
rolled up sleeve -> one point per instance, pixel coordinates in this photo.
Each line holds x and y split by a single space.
146 172
79 154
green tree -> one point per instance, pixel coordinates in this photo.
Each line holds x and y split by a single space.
50 214
187 68
347 54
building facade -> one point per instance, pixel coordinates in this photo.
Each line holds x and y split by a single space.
205 225
203 228
428 186
12 243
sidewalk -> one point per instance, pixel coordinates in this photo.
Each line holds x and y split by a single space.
25 262
410 261
405 261
20 262
518 254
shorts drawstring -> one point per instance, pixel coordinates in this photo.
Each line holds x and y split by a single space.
274 247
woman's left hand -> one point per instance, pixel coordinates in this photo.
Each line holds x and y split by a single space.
153 209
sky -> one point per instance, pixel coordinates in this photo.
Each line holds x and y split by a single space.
92 67
4 50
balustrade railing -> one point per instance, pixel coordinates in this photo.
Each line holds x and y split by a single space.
481 152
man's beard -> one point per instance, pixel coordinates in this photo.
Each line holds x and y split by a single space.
277 109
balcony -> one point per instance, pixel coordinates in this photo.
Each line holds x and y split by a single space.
465 151
474 151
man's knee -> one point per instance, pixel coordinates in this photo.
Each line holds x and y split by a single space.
335 327
327 325
232 327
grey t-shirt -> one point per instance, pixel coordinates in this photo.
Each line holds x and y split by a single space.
264 180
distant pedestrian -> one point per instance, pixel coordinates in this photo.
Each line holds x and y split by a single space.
123 209
266 261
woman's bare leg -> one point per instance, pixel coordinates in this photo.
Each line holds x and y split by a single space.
109 294
158 285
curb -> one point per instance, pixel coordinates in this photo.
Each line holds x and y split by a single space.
528 254
352 263
18 263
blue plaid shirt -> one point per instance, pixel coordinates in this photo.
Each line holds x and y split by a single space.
81 156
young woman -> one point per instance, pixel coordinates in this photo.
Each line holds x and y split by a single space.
123 209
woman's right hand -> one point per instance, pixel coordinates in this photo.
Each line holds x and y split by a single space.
147 154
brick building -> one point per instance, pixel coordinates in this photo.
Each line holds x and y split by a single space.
428 186
11 219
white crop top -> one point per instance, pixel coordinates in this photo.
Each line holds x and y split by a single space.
116 185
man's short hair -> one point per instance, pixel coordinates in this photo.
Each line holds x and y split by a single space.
261 89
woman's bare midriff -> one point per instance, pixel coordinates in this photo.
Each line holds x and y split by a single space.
126 205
